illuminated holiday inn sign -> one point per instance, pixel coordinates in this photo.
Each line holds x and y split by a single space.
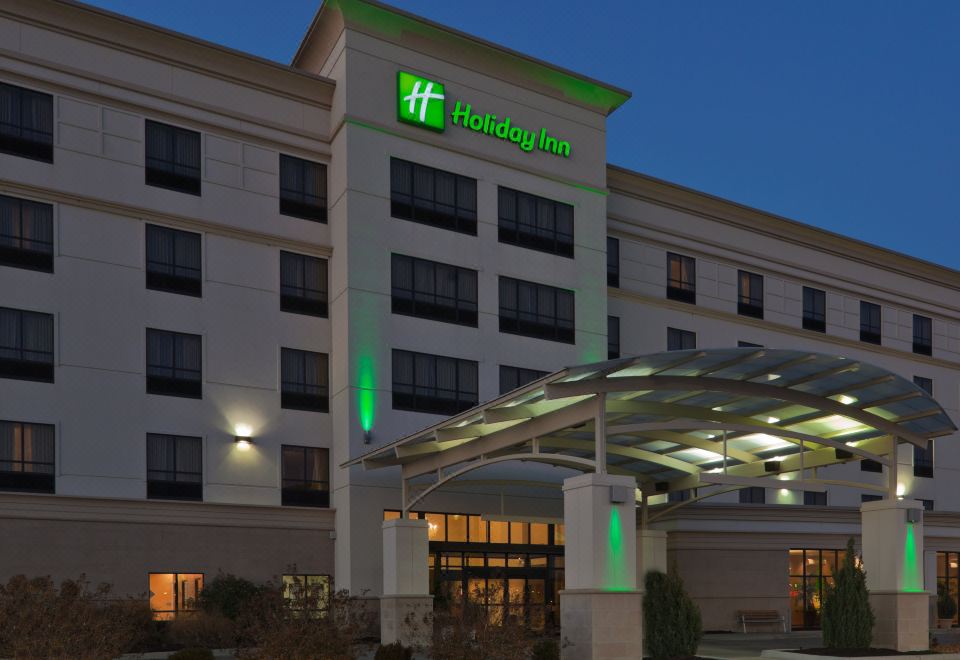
422 102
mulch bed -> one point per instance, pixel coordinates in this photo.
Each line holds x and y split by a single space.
857 653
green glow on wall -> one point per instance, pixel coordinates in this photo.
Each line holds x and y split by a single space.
615 580
366 391
911 566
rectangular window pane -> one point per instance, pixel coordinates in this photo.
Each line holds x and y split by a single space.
26 123
922 335
750 294
305 476
26 345
613 262
814 309
536 222
681 340
174 364
513 377
172 158
27 457
173 593
433 383
433 290
681 278
433 197
870 326
173 260
303 188
613 337
304 383
536 310
26 234
303 284
174 467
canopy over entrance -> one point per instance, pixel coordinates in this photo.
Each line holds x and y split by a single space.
683 419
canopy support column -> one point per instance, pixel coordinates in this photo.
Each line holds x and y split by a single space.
601 614
600 434
406 606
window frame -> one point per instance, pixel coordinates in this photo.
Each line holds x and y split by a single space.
812 497
407 205
293 201
416 303
177 597
510 320
30 481
681 335
21 257
868 332
922 336
291 398
523 376
684 288
542 238
412 401
33 149
613 262
173 385
749 495
167 175
613 345
40 371
175 489
304 495
813 319
750 303
304 304
173 283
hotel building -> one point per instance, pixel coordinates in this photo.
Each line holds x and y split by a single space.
223 278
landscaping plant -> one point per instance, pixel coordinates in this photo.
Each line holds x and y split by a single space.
472 632
192 654
671 620
395 651
847 618
545 649
946 605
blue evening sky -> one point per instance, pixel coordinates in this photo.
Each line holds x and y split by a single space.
839 114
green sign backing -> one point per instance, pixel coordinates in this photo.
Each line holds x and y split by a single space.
420 101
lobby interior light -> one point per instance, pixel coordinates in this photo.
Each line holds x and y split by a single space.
243 436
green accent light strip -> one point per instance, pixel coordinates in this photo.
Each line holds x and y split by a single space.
911 566
615 559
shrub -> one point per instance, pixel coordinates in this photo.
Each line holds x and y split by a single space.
946 605
40 620
847 618
469 632
227 595
192 654
671 620
204 630
545 649
395 651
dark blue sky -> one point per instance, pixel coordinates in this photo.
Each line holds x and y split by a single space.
839 114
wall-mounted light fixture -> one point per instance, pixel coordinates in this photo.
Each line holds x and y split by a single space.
771 466
243 436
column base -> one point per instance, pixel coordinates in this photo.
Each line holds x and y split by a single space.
406 619
601 625
902 620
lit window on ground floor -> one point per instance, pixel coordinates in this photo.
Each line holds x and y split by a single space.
307 592
174 593
811 575
948 577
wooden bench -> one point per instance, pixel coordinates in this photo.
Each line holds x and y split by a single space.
761 616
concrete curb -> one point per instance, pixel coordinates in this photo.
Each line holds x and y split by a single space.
783 654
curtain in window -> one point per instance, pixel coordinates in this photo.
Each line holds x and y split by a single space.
546 307
9 445
187 356
402 273
9 222
187 253
315 182
293 466
507 207
160 249
37 337
564 309
527 301
318 469
159 353
161 452
467 287
36 226
189 459
468 381
315 277
314 373
38 447
425 373
564 221
508 296
446 279
545 218
446 378
401 177
423 278
423 183
403 371
9 110
467 197
37 116
526 213
10 342
159 144
446 192
291 174
187 151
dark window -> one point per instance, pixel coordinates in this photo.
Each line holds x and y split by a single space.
681 278
305 476
613 337
26 123
26 345
870 465
173 260
174 467
433 197
869 322
870 498
747 344
303 284
536 310
681 495
927 505
304 380
432 290
814 309
750 294
26 234
922 335
613 261
26 457
923 458
303 188
753 495
681 340
513 377
536 222
925 384
813 498
173 158
433 383
173 364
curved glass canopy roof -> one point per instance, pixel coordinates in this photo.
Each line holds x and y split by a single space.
682 419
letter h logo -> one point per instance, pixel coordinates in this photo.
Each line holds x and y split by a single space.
420 101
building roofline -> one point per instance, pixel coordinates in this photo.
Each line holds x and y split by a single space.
576 87
631 182
32 10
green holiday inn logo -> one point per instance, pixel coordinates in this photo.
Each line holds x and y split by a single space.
422 102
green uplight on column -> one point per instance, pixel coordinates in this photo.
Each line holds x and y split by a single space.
366 392
616 581
911 565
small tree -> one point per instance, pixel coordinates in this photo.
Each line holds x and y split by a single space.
946 605
847 618
671 620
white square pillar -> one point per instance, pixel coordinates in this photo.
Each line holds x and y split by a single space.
406 606
894 561
601 615
651 553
